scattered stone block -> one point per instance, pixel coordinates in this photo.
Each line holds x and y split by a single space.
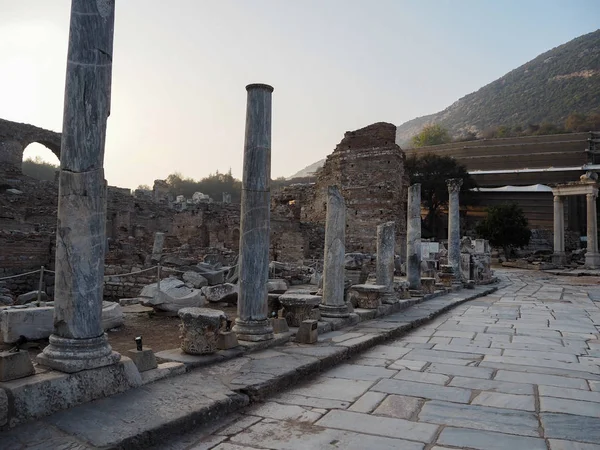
225 292
200 329
308 333
227 340
367 296
279 325
6 300
31 297
277 286
428 285
194 279
298 307
143 359
172 296
14 365
315 314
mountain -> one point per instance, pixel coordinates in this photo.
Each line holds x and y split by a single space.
308 170
547 89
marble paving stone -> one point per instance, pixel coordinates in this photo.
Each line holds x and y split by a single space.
345 336
573 394
480 417
358 372
468 349
563 405
226 446
378 425
562 357
594 385
571 428
424 355
402 364
536 378
367 402
468 371
423 390
422 377
539 362
535 347
311 402
239 425
374 362
454 334
333 388
399 406
279 411
293 436
557 444
487 440
492 385
386 352
509 401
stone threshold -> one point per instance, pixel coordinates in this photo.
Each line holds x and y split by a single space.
140 417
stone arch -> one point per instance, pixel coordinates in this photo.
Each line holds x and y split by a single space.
15 137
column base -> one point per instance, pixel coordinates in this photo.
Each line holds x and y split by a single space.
334 312
74 355
592 260
253 330
559 258
389 298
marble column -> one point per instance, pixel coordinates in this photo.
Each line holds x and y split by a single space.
157 248
252 323
592 258
559 257
386 251
333 303
454 185
413 237
78 341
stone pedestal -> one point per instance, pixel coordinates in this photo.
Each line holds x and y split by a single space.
308 333
298 307
367 296
14 365
446 275
413 237
78 341
333 304
200 328
386 252
279 325
227 340
454 185
559 258
252 323
143 359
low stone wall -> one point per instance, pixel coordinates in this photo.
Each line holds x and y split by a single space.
116 287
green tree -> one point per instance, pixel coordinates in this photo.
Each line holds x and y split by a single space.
432 171
433 134
505 226
144 187
39 169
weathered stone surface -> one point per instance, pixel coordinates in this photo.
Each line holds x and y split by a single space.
279 325
308 332
367 402
386 251
14 365
423 390
213 276
333 304
143 359
277 286
31 297
399 406
413 237
3 408
157 247
252 323
428 285
368 296
227 293
488 440
172 296
227 340
360 372
509 401
454 186
194 279
200 329
570 427
298 307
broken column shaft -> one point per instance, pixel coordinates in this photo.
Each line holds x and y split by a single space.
252 323
454 185
78 341
413 237
333 304
386 246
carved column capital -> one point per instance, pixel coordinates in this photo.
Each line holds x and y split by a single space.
591 196
454 184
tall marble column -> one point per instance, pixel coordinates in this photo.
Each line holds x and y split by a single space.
413 237
252 323
333 303
592 258
454 185
386 250
559 257
78 341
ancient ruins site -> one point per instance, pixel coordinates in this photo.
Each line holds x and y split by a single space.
320 314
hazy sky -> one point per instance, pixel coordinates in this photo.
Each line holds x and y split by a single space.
180 68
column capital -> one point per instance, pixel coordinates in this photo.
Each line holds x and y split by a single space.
591 195
454 184
558 198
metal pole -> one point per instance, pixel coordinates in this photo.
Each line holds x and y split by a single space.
40 285
158 278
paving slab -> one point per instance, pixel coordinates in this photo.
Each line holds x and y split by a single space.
567 406
537 378
508 401
487 440
399 407
571 428
423 390
492 385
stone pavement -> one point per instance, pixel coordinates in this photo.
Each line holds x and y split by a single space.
516 370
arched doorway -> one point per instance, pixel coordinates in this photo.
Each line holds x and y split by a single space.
39 162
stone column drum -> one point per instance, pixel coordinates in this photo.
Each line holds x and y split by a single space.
386 251
200 329
252 323
559 257
157 247
413 237
333 304
454 185
592 258
78 341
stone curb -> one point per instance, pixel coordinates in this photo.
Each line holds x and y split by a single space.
131 420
